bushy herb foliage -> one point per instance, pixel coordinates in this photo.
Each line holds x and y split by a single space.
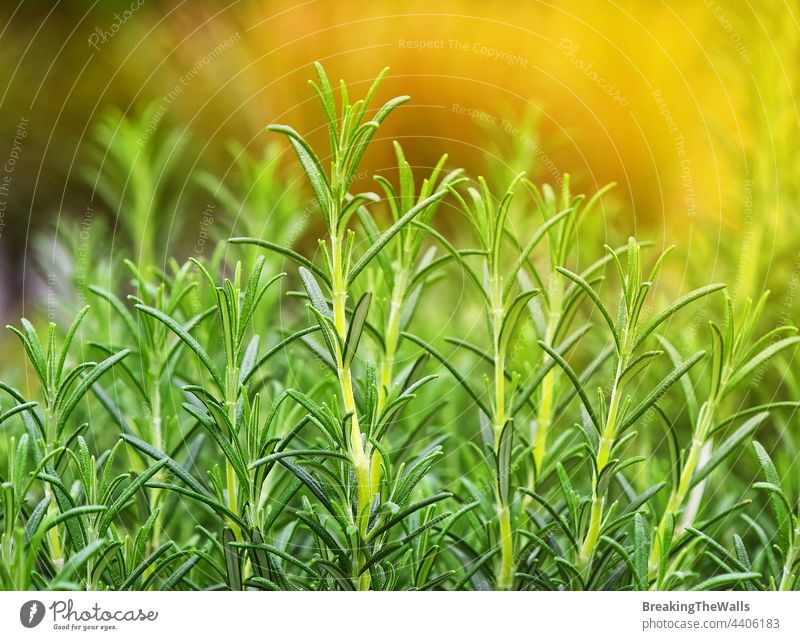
448 396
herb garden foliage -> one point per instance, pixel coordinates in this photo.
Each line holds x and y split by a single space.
237 427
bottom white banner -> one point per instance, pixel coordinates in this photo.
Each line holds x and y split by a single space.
384 616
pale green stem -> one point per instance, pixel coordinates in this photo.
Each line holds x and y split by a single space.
500 400
360 460
678 495
603 455
158 443
55 542
52 510
392 336
544 418
788 576
505 579
544 413
230 475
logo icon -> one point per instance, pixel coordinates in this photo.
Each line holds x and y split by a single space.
31 613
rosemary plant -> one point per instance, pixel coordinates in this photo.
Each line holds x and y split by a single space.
244 428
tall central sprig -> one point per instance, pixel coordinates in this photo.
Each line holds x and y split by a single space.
504 301
736 354
606 431
349 133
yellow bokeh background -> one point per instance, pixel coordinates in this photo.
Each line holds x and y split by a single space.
691 107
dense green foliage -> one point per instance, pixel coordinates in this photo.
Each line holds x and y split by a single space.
469 404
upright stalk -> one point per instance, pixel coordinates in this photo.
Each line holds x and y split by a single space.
604 449
505 579
158 443
56 552
544 412
231 395
787 574
357 453
350 132
705 424
392 335
628 337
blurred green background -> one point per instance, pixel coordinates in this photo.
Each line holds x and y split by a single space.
691 107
